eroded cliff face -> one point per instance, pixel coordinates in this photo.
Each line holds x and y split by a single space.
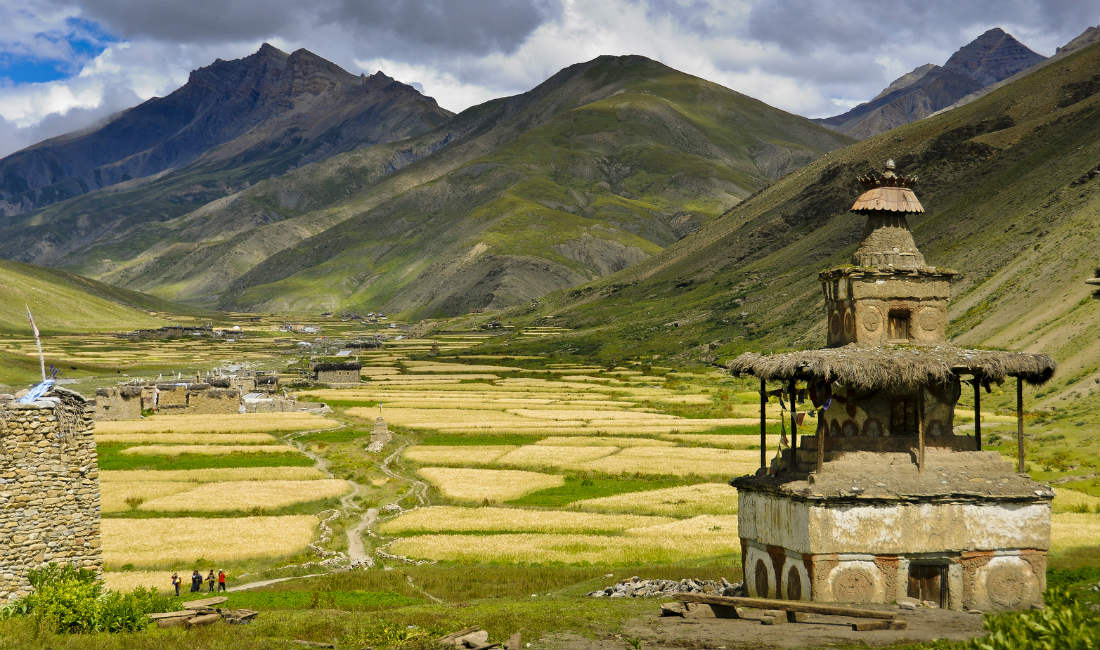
265 104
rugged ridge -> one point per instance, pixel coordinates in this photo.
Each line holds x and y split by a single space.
993 56
232 112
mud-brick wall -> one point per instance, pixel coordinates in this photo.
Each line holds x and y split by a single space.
49 488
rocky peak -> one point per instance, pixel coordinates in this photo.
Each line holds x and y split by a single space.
993 56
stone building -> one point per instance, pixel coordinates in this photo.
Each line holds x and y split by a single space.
49 492
118 403
337 373
888 498
206 399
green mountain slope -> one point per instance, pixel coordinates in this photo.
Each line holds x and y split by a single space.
1011 186
599 167
62 302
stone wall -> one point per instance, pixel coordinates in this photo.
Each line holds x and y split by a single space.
338 376
49 488
118 403
859 304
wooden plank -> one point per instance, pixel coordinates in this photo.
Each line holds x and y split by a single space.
205 602
182 612
205 619
920 429
787 605
978 412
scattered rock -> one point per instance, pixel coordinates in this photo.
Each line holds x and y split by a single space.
908 603
636 587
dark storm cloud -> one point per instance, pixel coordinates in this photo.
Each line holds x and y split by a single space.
434 25
805 26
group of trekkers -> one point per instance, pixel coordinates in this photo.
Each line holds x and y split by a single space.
197 580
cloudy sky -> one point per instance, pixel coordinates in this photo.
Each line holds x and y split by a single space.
66 65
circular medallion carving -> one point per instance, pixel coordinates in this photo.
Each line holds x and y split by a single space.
853 585
834 430
760 579
935 428
872 318
835 324
794 584
849 325
930 319
850 429
872 428
1006 585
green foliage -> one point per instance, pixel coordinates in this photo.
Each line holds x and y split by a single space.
67 599
384 634
1066 622
346 600
111 458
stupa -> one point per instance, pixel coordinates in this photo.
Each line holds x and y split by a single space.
888 498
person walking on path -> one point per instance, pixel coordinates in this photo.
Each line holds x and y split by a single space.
221 579
196 581
176 581
210 581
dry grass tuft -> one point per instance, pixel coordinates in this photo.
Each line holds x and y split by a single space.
479 485
174 540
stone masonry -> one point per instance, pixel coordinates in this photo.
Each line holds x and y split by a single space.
49 488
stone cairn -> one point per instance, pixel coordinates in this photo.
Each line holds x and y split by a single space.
49 487
636 587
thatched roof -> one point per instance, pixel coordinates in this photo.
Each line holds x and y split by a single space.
902 367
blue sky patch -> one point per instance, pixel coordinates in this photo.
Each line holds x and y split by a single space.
82 40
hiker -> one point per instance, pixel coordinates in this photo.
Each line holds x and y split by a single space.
221 579
176 581
196 581
210 581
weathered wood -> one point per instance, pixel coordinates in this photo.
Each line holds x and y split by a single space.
920 430
205 602
1020 466
314 644
203 619
864 626
179 621
763 426
821 429
787 605
978 412
453 636
185 613
794 425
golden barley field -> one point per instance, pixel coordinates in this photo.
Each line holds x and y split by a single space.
128 580
457 454
172 540
209 450
1065 500
458 519
213 475
188 438
113 494
723 441
552 456
1073 529
680 501
595 441
230 423
246 495
479 485
678 461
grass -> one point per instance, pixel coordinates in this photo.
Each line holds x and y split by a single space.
167 541
111 458
576 487
205 450
350 601
186 438
679 501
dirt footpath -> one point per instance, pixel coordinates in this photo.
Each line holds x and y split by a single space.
675 632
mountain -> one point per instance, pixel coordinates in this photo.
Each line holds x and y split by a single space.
285 109
602 165
1011 187
993 56
63 302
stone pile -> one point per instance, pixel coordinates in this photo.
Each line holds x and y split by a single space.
636 587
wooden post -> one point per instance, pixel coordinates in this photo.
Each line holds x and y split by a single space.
794 427
978 412
763 425
1020 425
920 429
821 429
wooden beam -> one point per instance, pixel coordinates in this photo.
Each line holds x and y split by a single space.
1021 467
794 426
978 412
786 605
920 429
821 429
763 425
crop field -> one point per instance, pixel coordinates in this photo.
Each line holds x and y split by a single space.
232 423
188 438
437 519
480 485
164 542
206 450
246 495
680 501
222 474
119 496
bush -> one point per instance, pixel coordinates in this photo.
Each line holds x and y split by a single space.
1066 622
68 599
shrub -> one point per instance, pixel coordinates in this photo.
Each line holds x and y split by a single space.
1066 622
68 599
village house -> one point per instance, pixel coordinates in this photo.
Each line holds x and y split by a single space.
346 372
888 497
118 403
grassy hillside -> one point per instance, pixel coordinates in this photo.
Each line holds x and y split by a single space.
62 302
1010 184
601 166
